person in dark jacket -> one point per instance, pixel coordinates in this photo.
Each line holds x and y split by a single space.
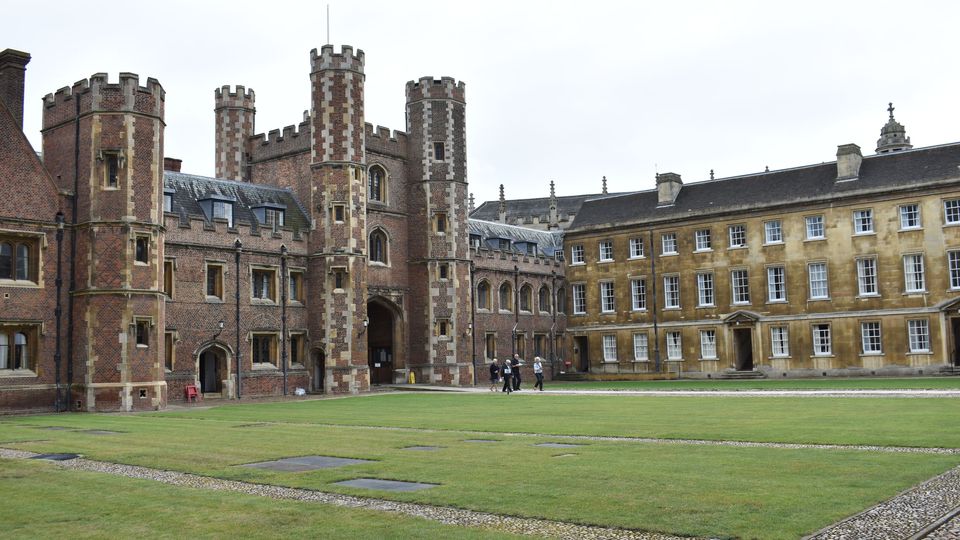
516 371
505 371
494 375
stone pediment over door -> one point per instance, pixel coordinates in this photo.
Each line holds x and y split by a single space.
950 305
741 318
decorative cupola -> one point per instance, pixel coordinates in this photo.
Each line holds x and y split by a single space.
503 206
668 187
893 136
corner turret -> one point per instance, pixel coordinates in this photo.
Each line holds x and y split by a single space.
235 124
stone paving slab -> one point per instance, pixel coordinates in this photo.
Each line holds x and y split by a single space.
422 448
385 485
56 457
305 463
558 445
98 432
481 440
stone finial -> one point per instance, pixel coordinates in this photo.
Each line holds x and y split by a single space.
503 206
472 207
604 185
553 193
766 168
890 110
711 174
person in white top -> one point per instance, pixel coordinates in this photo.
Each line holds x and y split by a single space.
538 371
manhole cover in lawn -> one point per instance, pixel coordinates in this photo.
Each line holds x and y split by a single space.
481 440
422 448
306 463
385 485
99 432
56 457
558 445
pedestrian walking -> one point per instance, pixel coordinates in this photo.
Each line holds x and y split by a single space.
517 362
505 371
538 371
494 375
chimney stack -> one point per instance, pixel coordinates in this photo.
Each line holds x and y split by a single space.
172 164
668 187
849 159
13 67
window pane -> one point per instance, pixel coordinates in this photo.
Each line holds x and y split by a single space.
23 261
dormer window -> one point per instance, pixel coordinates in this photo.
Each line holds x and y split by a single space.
503 244
168 200
273 216
475 241
223 210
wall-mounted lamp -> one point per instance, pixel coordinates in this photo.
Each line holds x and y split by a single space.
366 323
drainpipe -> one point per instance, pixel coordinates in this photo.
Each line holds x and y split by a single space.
656 333
58 404
516 310
238 247
553 325
283 313
473 324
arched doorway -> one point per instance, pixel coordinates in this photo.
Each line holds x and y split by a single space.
317 369
380 342
212 370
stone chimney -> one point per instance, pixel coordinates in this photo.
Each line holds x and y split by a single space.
13 67
172 164
849 159
668 187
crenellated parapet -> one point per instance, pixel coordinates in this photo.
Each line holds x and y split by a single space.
241 97
97 94
385 141
292 139
430 88
328 59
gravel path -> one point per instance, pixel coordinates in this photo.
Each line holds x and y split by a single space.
905 515
449 516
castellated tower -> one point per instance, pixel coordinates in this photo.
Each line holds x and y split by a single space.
103 142
338 267
235 116
439 251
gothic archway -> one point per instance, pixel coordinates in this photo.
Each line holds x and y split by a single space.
384 341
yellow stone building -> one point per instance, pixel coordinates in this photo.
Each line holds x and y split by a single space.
843 268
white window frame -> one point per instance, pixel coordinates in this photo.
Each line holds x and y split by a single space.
607 297
606 250
636 248
708 344
776 284
914 275
953 267
773 232
822 340
906 215
951 212
702 240
576 254
871 338
740 286
706 294
814 286
863 221
918 335
579 300
674 346
867 283
641 347
737 235
780 341
671 247
813 223
609 342
671 291
638 294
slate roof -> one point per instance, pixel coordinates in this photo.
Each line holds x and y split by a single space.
523 208
880 173
189 189
548 242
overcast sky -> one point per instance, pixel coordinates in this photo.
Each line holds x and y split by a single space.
563 91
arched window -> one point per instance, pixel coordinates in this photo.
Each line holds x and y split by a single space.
6 261
378 246
506 297
544 299
526 294
377 185
562 300
483 295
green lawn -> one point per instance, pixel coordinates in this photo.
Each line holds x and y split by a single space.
676 488
913 383
42 501
881 421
